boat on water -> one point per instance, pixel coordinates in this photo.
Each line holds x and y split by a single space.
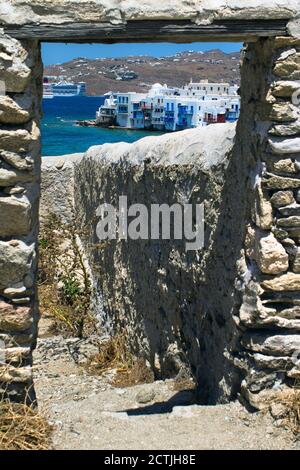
47 90
63 89
69 89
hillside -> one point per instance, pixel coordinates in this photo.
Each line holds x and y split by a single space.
137 73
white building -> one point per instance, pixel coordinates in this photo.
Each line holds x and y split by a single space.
129 112
171 108
204 87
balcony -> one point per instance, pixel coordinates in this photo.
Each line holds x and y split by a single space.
123 110
184 110
146 107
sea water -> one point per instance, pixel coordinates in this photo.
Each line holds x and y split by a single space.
61 135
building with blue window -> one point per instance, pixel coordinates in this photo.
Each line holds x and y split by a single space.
172 109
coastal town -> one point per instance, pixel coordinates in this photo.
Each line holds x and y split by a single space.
163 108
170 109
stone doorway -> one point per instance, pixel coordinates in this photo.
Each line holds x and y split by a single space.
263 274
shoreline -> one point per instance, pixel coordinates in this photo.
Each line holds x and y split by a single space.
92 123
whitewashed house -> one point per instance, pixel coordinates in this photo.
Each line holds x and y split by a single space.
129 112
170 108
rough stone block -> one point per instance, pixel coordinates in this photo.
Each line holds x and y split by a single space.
20 339
292 209
10 374
281 182
15 318
16 258
11 112
18 161
288 67
288 130
268 253
14 70
262 211
19 140
15 216
284 146
285 89
282 198
285 282
284 112
296 263
277 345
15 356
285 166
292 221
10 177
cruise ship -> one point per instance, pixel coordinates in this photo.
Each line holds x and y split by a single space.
63 89
69 89
47 90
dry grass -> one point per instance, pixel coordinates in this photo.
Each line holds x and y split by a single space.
23 428
290 399
138 374
183 384
114 355
63 318
61 315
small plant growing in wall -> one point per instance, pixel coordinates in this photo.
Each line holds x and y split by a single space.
64 277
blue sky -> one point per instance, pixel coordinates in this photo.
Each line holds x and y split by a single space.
59 52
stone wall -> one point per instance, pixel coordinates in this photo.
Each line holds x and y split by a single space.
21 71
176 306
66 12
269 314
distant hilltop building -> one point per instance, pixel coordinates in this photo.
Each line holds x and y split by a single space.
63 88
171 108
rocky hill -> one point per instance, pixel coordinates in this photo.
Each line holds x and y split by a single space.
137 73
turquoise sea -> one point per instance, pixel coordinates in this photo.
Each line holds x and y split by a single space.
61 136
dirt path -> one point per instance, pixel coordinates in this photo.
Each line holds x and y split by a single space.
88 413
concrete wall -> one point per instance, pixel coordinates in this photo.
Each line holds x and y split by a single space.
57 186
175 305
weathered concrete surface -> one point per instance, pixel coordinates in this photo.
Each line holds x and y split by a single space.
177 306
89 413
156 286
201 11
57 186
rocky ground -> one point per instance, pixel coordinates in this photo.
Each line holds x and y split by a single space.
89 413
